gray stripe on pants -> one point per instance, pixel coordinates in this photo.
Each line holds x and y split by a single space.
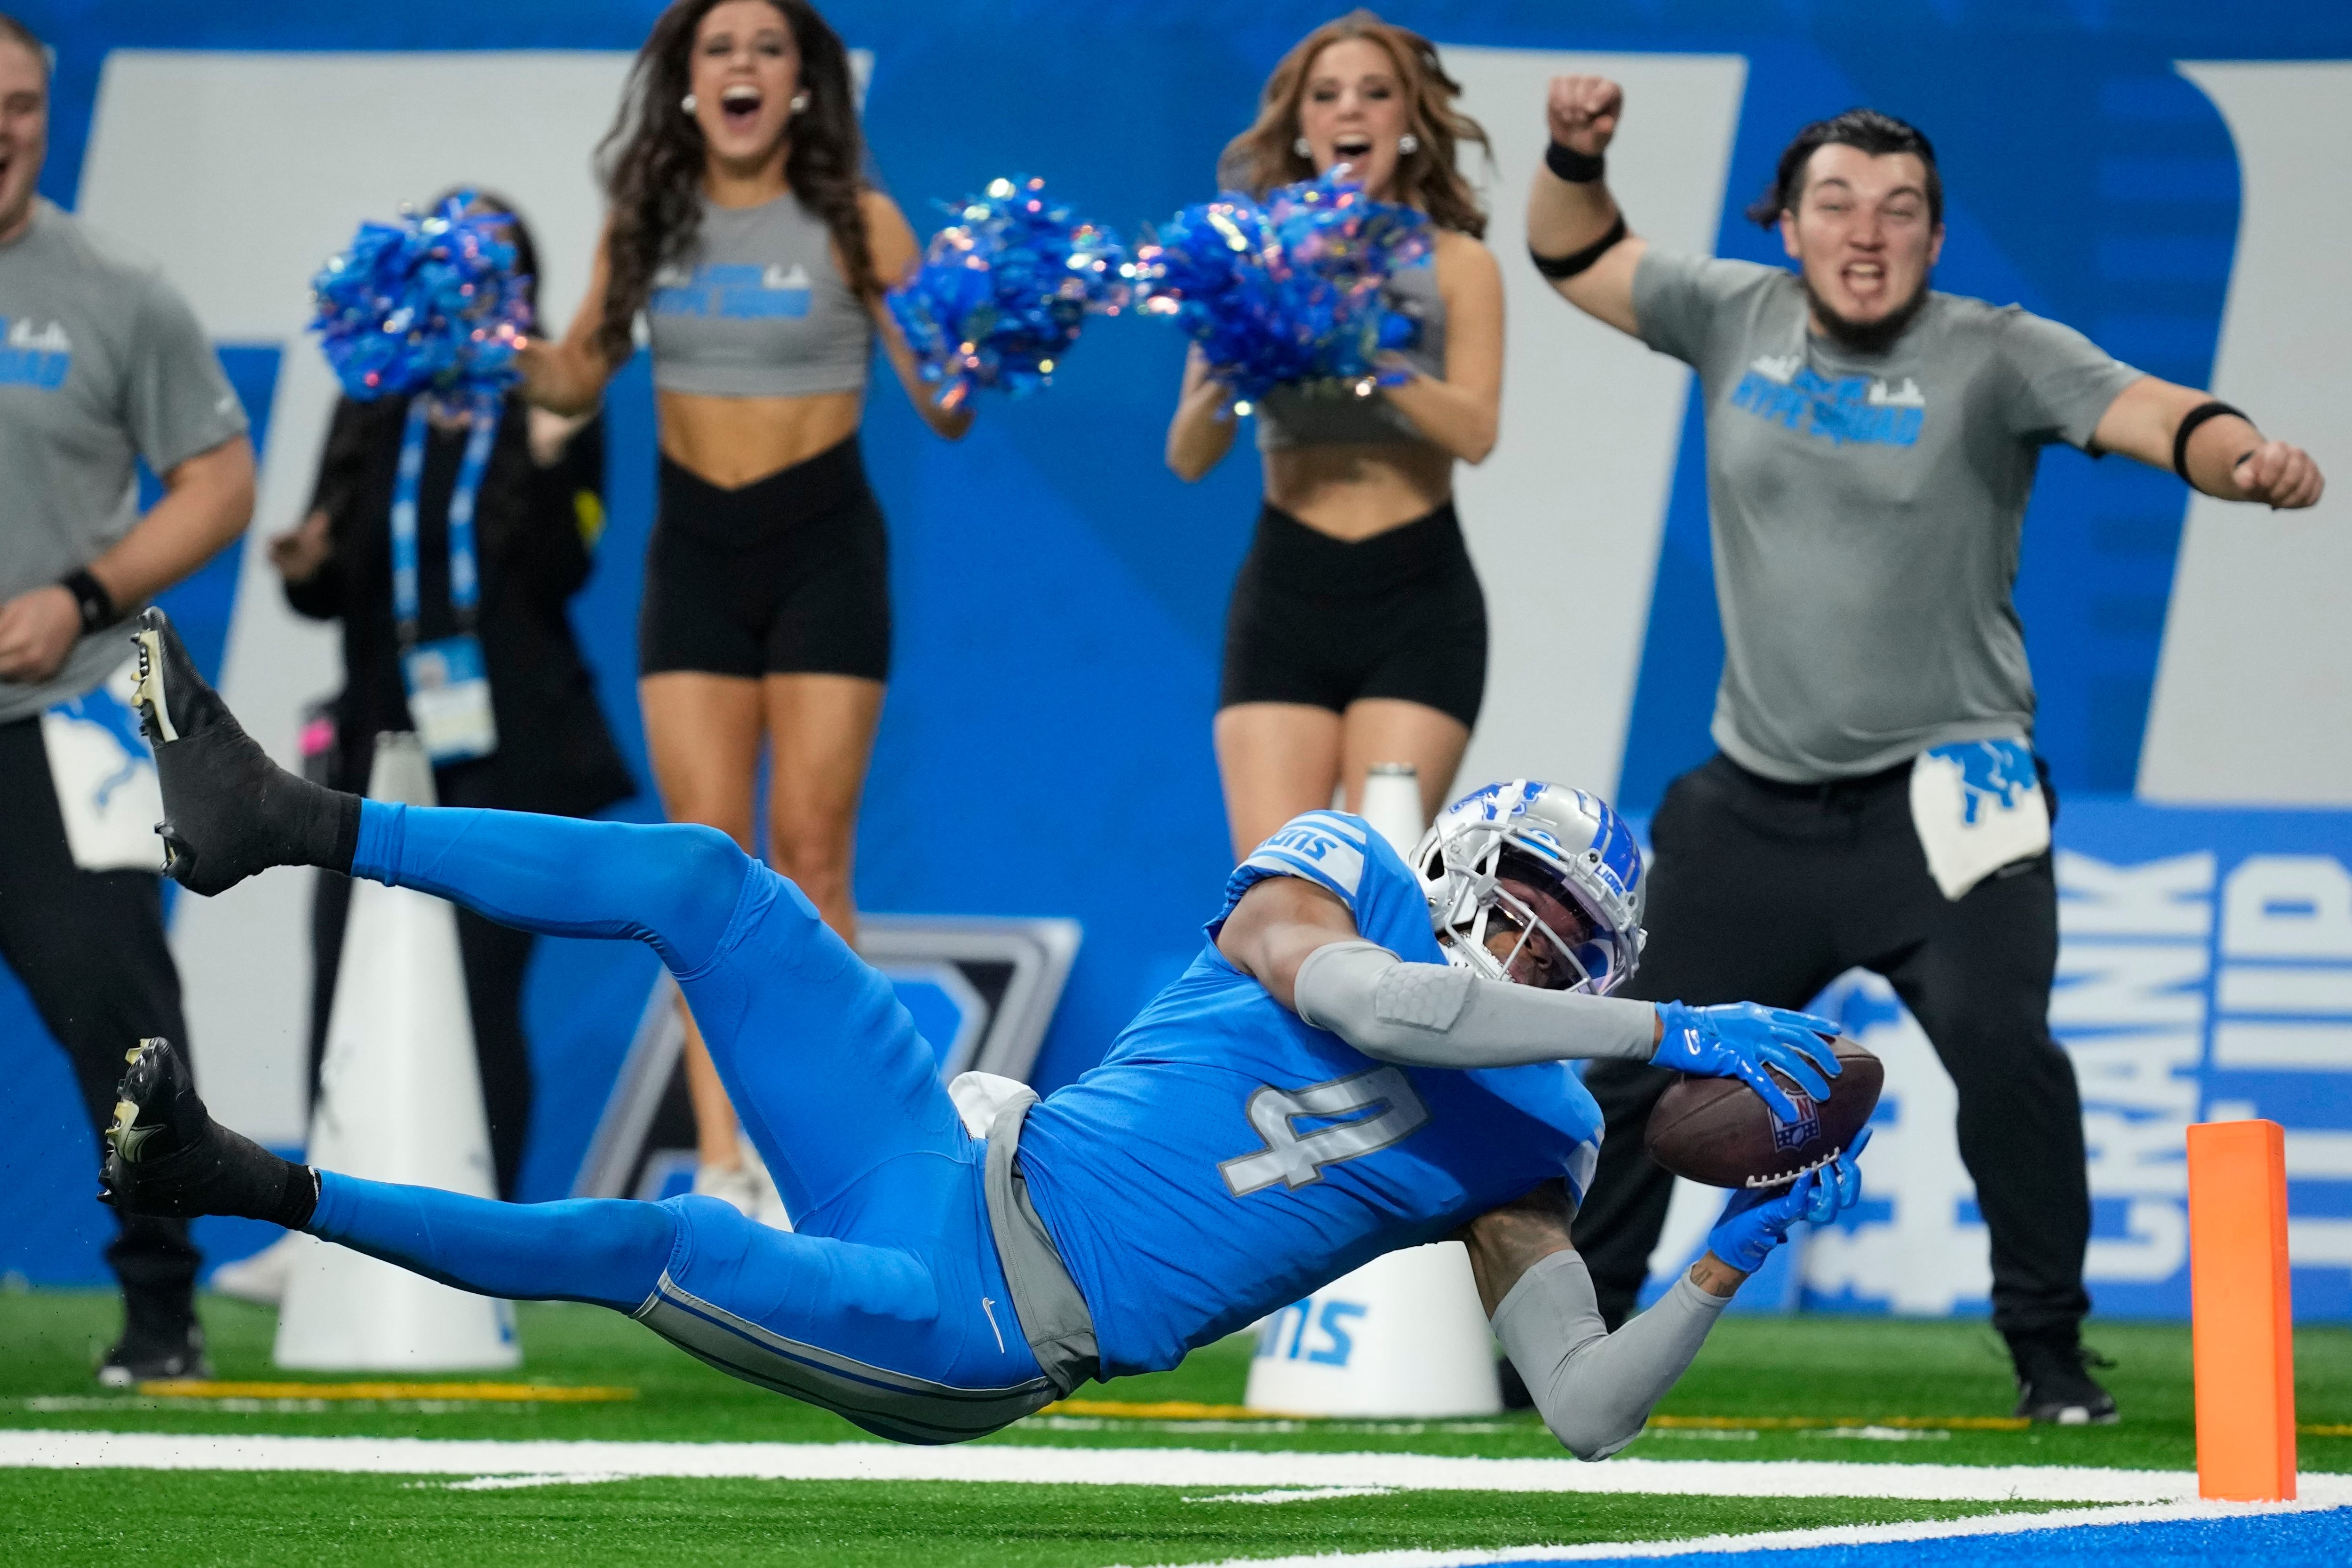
887 1404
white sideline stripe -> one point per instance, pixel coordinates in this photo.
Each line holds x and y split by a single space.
1193 1468
1781 1540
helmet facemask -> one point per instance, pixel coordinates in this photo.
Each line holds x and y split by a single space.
1479 863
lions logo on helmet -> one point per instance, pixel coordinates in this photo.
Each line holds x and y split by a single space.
1565 842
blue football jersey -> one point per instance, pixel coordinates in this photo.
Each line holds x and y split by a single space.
1226 1158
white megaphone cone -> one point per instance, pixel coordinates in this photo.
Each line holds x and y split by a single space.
399 1100
1405 1334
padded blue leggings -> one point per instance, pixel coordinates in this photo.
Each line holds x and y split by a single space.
887 1302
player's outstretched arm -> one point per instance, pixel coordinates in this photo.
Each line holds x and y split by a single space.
1595 1389
1300 942
1435 1015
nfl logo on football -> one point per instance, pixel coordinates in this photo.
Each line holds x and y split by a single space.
1804 1129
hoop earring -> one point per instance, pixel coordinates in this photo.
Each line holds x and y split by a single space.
799 101
1408 145
1303 147
687 103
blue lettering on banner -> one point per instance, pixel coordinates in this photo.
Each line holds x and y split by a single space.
740 293
36 357
2204 974
1853 408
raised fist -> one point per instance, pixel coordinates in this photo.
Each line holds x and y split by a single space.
1582 112
2282 476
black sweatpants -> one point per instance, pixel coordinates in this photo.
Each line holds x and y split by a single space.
88 946
495 958
1765 892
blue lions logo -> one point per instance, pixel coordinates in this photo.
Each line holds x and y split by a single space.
1991 772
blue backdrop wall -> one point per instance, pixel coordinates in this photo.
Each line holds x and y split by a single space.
1060 596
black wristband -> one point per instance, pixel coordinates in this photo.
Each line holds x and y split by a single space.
2212 409
90 597
1559 266
1577 168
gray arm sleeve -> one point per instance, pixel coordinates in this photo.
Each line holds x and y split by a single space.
1593 1388
1435 1016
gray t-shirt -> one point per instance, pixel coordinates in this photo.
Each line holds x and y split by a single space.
101 362
1866 510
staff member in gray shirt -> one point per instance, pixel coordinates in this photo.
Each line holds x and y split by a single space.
1871 446
101 362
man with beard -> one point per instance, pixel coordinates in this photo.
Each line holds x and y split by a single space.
101 365
1874 801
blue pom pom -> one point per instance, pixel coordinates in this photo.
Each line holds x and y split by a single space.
432 303
1286 292
1003 292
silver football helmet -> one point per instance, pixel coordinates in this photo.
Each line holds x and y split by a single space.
1567 843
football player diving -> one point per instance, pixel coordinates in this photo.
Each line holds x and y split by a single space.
1365 1056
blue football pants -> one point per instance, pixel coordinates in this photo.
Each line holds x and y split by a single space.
887 1302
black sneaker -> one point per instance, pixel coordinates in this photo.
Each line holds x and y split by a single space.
166 1155
140 1358
2054 1383
228 810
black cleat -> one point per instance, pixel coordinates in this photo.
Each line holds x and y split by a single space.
165 1154
2054 1383
228 810
140 1358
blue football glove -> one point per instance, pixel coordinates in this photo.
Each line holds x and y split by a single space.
1740 1039
1757 1220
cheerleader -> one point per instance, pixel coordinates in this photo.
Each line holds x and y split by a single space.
741 227
1357 631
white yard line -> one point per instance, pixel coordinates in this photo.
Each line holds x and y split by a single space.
1192 1468
509 1483
1308 1494
1783 1540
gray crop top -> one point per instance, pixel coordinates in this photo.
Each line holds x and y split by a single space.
759 310
1324 415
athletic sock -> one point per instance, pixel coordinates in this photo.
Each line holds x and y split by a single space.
378 828
333 842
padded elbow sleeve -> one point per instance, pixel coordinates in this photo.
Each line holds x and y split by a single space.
1433 1015
1594 1389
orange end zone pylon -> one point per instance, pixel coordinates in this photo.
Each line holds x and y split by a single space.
2242 1321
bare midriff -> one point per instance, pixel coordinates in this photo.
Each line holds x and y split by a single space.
732 441
1354 491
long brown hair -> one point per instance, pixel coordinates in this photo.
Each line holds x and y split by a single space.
1264 155
651 162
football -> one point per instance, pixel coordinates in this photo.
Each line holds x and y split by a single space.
1719 1132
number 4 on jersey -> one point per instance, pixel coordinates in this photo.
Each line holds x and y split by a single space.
1364 1114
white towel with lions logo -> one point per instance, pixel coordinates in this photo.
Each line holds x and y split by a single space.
105 777
1978 806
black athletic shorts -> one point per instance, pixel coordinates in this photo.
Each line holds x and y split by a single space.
787 576
1319 621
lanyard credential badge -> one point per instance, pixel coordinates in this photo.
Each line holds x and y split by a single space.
1978 806
448 685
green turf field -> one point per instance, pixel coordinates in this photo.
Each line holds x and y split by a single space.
1852 1372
